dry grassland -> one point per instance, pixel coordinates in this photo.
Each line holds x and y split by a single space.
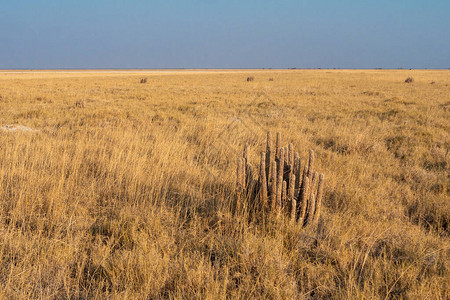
124 190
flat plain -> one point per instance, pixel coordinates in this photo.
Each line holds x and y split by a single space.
112 188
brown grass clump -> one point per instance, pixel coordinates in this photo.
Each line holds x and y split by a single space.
79 104
409 80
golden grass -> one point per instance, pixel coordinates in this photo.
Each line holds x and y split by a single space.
128 194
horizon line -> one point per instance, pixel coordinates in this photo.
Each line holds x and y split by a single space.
262 68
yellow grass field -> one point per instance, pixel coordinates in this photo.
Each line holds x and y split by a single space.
116 189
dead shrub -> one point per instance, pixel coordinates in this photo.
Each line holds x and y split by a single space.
79 104
283 184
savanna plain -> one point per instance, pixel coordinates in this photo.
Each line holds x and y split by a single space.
112 188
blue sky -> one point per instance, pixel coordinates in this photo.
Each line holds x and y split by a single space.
224 34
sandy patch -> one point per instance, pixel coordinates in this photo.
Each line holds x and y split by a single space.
15 128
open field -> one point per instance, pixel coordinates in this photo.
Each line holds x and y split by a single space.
116 189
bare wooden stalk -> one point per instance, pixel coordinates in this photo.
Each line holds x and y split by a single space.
285 164
291 157
291 194
263 180
311 163
244 174
239 187
312 200
279 193
273 186
318 199
293 209
310 171
268 155
291 189
304 190
296 161
280 178
298 174
248 175
245 155
240 174
277 146
253 192
248 182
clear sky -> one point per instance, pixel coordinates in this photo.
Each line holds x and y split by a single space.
224 34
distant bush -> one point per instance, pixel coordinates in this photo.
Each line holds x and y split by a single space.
79 104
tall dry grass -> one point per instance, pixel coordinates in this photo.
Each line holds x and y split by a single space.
130 194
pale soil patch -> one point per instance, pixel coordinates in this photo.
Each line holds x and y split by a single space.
14 128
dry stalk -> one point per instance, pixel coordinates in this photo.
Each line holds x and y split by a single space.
296 162
279 189
268 155
280 177
304 190
312 200
293 210
318 199
297 172
286 164
310 163
263 180
277 147
249 175
273 186
246 153
239 186
291 195
291 157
